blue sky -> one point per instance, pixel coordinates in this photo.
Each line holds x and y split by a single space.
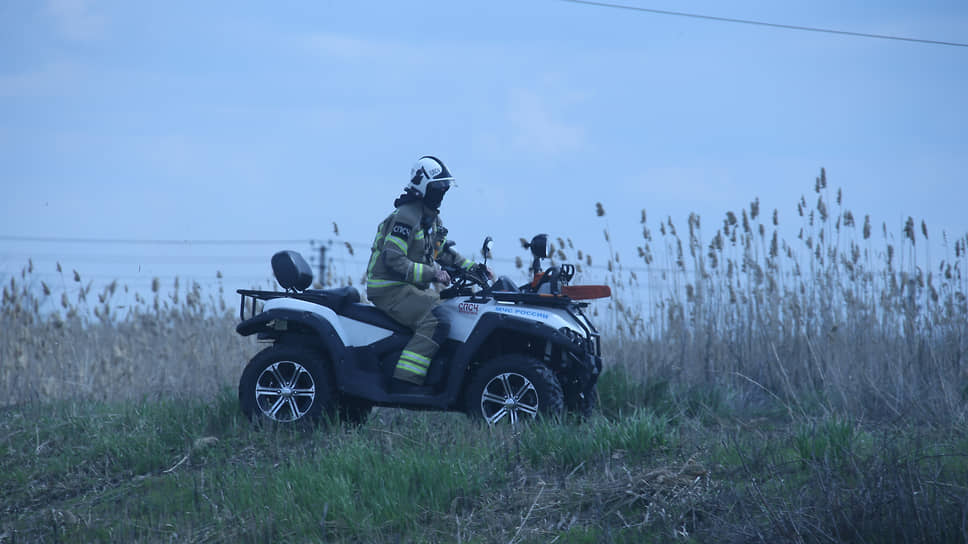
218 120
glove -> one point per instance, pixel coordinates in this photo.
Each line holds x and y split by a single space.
442 277
484 270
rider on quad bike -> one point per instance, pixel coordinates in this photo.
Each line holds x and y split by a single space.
507 352
408 255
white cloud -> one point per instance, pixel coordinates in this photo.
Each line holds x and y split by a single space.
538 128
77 19
53 79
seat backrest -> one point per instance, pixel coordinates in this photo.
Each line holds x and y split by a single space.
291 270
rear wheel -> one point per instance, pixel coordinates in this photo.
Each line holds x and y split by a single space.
511 389
286 385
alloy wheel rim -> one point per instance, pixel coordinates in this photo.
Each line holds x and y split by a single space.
285 391
509 397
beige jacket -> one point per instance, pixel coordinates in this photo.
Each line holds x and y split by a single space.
408 246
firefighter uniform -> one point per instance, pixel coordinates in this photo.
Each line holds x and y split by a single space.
403 263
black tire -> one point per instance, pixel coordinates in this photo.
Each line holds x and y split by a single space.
520 386
287 385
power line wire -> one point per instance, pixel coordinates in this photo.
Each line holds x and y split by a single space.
144 241
313 243
146 259
207 260
764 23
216 259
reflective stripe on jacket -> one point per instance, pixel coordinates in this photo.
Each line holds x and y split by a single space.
407 246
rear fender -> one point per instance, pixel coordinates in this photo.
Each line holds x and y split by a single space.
302 306
281 323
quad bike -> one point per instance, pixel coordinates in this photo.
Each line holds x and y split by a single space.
513 352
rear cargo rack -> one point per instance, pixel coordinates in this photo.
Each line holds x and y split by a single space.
334 299
254 296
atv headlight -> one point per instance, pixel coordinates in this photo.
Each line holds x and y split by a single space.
576 338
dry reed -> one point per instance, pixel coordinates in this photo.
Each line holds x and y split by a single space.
69 346
836 319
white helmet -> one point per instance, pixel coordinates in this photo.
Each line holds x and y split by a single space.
431 179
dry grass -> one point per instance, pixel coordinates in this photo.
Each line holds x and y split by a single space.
846 318
840 317
57 347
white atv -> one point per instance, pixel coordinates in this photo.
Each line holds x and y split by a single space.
512 353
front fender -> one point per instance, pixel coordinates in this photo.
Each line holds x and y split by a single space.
494 322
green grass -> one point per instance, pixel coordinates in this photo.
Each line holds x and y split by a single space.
564 447
190 470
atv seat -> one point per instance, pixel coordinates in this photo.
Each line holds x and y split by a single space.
345 301
373 316
336 299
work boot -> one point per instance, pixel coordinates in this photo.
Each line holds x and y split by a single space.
401 387
408 377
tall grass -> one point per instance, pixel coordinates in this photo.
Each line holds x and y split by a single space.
846 317
78 344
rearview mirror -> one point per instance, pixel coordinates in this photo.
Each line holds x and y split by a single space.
486 248
539 246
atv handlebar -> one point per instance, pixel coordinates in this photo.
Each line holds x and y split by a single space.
461 278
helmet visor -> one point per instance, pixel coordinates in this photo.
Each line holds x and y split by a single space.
435 192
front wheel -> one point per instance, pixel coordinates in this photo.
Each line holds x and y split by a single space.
513 388
286 384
